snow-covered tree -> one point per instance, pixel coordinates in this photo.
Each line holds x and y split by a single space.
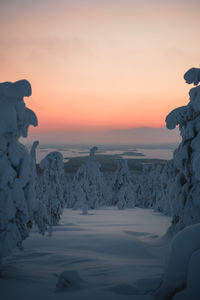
185 190
123 192
167 179
143 187
16 202
50 189
153 187
40 213
88 186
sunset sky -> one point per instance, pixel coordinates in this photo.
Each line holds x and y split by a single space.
100 65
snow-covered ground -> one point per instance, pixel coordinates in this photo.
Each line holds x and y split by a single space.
117 253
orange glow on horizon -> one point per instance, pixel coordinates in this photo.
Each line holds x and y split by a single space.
100 65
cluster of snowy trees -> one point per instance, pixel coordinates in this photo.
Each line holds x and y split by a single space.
89 189
88 186
153 185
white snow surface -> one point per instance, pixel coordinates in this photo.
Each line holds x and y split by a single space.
116 254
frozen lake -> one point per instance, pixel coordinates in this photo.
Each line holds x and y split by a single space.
126 151
117 254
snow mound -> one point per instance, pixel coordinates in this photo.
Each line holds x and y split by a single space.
69 279
183 266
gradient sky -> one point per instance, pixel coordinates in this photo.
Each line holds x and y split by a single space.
98 65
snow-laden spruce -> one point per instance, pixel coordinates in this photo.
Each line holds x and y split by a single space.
152 187
123 192
185 190
50 190
40 210
16 202
167 179
88 185
182 272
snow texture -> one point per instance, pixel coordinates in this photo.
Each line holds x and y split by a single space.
16 201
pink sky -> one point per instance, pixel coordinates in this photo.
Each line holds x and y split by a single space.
100 65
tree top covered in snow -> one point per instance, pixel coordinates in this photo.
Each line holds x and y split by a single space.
181 115
92 152
15 117
192 76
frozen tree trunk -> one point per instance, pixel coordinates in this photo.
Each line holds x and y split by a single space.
16 203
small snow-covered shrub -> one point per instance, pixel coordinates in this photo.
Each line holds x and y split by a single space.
123 192
185 189
16 182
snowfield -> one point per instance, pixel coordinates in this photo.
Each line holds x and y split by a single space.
107 254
